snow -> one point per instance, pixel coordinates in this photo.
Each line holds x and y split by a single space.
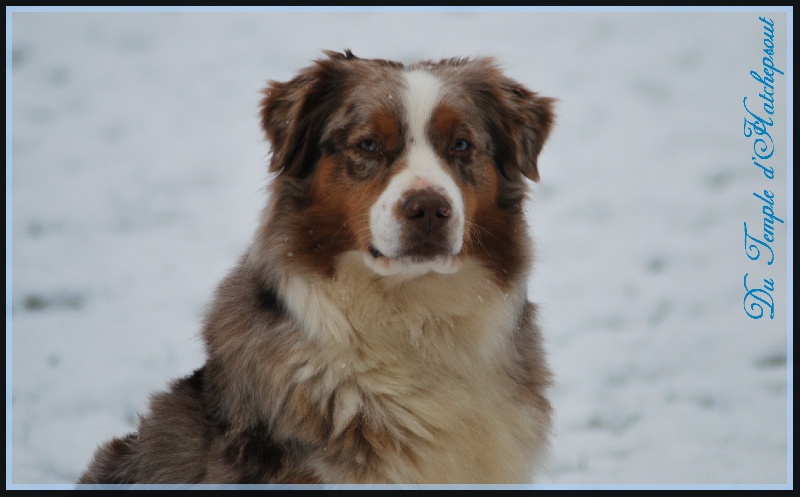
138 176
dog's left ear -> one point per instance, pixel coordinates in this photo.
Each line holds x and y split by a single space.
518 119
529 122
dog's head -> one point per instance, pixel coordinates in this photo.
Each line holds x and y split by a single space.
417 167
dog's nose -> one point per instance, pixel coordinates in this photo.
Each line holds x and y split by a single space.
429 211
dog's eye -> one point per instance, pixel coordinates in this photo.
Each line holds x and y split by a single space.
460 145
368 145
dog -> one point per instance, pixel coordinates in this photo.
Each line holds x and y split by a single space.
377 330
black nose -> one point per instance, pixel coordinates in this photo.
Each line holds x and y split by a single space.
428 211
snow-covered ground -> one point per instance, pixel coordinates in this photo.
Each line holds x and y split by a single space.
139 170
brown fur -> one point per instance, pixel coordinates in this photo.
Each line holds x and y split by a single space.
320 371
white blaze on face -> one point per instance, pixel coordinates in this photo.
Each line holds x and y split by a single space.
423 171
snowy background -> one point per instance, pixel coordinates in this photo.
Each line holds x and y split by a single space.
139 172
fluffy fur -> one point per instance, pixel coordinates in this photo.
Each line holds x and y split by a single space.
377 329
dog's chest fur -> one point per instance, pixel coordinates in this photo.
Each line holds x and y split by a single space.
414 381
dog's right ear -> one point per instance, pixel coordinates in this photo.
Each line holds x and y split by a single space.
293 114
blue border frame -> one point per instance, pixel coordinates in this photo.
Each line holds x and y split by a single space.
789 10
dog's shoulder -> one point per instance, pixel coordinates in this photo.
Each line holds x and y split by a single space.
167 445
182 440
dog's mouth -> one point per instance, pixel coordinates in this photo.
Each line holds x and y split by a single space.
375 253
417 260
419 253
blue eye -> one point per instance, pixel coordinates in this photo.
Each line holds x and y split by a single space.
460 145
368 145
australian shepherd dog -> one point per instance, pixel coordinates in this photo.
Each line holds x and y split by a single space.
377 330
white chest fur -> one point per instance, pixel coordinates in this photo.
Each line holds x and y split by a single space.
430 363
